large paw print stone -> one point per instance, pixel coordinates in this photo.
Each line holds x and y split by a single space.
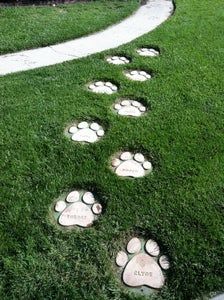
150 52
117 60
101 87
136 75
142 264
85 132
130 108
128 164
79 208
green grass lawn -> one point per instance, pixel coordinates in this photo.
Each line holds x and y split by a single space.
29 27
180 204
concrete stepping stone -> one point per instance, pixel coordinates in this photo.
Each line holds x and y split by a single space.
141 264
101 87
127 164
128 107
78 208
87 132
148 52
118 60
137 75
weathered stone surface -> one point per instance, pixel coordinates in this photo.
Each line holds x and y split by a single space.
73 197
129 108
73 129
140 268
118 60
126 156
78 208
143 270
137 75
100 132
86 132
131 165
109 84
88 198
134 245
60 206
164 262
142 108
136 103
99 83
125 102
83 125
152 248
85 135
121 259
130 168
100 87
95 126
116 162
147 75
117 106
97 208
129 111
139 157
147 165
78 214
92 86
150 52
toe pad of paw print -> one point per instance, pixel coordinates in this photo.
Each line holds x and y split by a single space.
128 164
78 208
85 132
117 60
101 87
130 108
142 265
137 75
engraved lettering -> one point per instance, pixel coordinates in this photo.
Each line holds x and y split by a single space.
142 273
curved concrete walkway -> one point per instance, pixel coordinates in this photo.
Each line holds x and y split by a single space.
219 297
146 18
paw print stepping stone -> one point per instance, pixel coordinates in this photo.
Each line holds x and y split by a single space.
129 108
128 164
142 265
149 52
78 208
118 60
137 75
87 132
101 87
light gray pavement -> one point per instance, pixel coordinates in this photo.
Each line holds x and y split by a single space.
144 20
